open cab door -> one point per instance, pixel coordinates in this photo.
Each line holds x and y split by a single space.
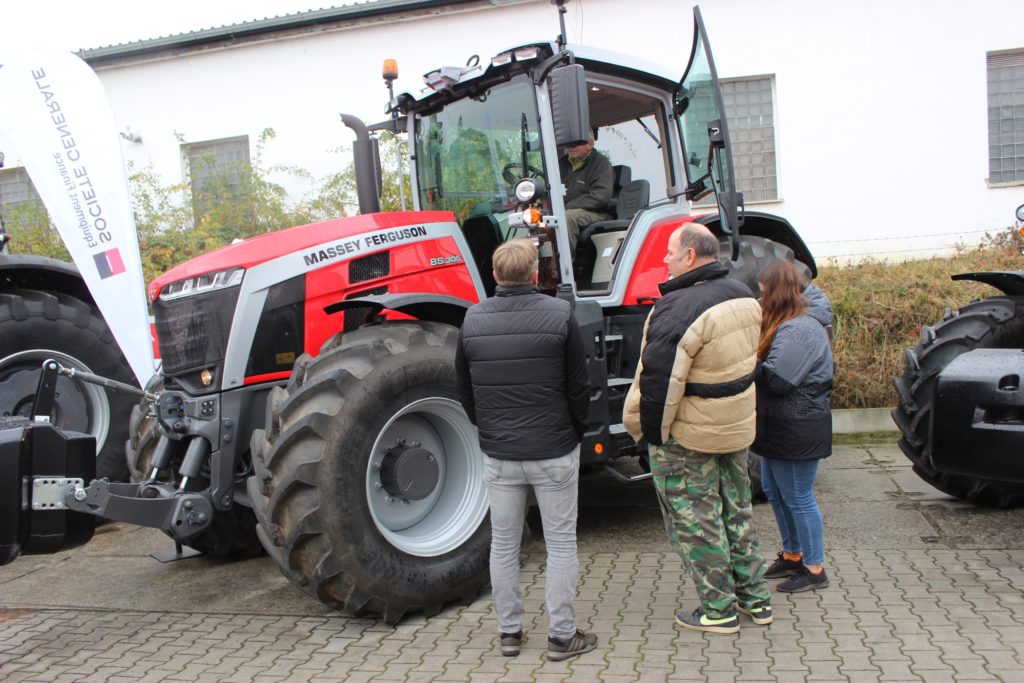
705 136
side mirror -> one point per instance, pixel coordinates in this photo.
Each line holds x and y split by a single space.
570 108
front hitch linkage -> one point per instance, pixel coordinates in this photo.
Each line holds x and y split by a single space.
179 513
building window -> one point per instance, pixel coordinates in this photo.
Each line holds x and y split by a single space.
217 170
15 188
19 201
1006 117
750 111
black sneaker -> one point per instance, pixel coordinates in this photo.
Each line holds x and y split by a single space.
512 643
699 621
804 581
760 614
781 568
580 642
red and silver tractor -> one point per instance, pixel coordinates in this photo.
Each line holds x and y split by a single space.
307 403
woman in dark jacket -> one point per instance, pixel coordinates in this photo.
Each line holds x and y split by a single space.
794 423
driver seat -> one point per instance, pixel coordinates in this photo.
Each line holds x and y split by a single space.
621 175
634 196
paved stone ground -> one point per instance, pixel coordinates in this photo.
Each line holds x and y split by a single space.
923 589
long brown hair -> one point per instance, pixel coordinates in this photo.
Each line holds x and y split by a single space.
781 300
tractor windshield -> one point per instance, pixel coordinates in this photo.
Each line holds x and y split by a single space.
469 154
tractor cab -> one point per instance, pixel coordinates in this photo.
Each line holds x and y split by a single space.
486 141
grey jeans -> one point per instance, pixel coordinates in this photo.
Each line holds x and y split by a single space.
554 484
577 219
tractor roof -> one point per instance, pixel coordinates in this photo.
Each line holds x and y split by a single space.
446 84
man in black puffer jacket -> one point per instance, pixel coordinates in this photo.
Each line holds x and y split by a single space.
522 378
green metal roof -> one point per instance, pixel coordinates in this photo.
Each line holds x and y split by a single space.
257 28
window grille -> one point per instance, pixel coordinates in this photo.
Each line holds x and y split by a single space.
750 110
216 167
1006 117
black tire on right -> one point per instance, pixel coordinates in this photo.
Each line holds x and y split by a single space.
995 323
35 325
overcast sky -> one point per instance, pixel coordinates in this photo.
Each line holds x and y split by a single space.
80 24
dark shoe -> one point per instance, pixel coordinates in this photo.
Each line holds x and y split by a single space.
804 581
781 568
699 621
512 643
559 649
760 614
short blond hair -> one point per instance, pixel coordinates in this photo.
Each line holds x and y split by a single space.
515 262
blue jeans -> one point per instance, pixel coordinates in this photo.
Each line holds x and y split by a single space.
789 486
554 483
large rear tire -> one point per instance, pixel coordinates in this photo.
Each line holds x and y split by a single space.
232 533
36 325
368 481
995 323
754 254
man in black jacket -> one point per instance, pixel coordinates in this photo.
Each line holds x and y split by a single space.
522 378
589 180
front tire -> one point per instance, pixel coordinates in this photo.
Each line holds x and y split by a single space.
36 325
995 323
369 483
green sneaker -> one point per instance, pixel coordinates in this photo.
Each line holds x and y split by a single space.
699 621
760 614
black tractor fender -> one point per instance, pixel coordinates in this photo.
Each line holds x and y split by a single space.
1009 282
440 308
23 271
771 227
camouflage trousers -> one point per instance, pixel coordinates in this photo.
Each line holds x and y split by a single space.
705 500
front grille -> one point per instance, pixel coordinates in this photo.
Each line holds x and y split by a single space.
369 267
193 331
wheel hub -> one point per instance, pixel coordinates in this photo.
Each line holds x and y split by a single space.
18 384
451 481
409 472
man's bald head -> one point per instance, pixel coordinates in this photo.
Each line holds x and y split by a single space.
689 247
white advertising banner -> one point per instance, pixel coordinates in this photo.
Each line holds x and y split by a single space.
55 112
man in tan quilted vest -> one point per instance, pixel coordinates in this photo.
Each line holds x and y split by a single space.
692 401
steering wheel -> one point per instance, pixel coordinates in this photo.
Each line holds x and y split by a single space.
511 173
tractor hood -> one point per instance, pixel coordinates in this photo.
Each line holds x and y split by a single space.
270 246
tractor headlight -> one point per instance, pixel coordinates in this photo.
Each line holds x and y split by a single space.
526 190
201 284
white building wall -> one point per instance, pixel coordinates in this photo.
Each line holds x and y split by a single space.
881 106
